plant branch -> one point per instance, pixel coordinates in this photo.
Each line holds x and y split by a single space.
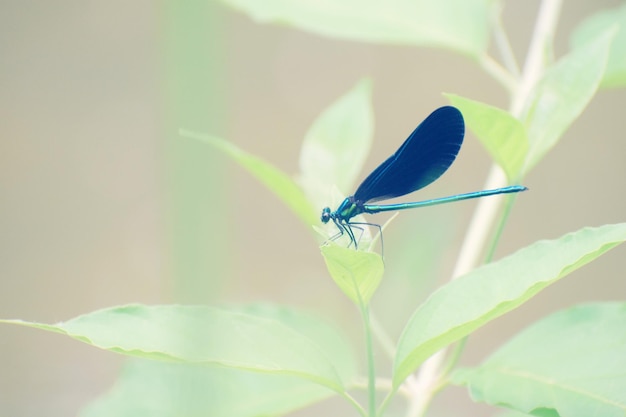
486 211
538 50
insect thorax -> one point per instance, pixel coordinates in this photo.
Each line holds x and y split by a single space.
348 209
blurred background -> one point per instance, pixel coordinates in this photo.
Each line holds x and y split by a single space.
102 203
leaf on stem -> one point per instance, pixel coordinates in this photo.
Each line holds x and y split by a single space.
501 134
460 25
572 363
277 181
595 25
356 273
562 94
467 303
273 341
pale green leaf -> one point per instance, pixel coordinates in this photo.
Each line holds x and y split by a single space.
356 273
460 25
211 336
595 25
501 134
328 338
337 144
467 303
570 364
562 94
159 389
277 181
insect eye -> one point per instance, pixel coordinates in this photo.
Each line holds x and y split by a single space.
325 215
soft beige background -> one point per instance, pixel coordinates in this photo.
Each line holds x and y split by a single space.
86 174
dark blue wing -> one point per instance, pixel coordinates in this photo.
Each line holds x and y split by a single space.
426 154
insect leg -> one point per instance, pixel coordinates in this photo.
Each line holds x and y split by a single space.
380 232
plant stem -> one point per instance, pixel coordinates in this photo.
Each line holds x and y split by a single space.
425 384
485 214
540 45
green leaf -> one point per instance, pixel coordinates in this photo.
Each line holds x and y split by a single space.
159 389
595 25
465 304
210 336
572 363
501 134
460 25
562 94
357 273
326 336
274 179
337 144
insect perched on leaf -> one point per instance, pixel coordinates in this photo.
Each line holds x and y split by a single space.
423 157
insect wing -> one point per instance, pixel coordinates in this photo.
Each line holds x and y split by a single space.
423 157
